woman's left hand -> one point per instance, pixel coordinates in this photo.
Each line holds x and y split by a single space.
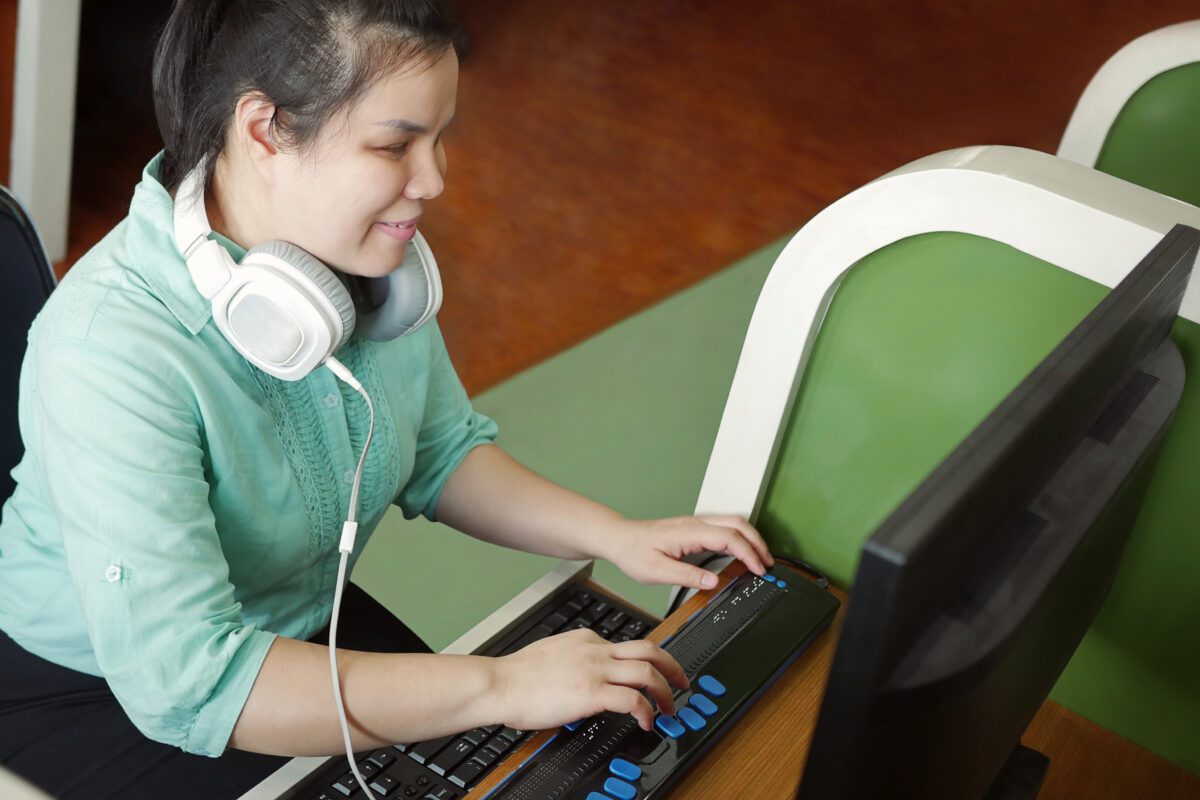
649 551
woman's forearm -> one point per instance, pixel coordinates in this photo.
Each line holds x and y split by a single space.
389 698
492 497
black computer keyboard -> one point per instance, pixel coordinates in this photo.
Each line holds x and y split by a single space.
732 650
447 767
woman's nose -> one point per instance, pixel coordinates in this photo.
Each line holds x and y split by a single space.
427 180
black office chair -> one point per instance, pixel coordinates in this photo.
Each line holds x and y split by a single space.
26 280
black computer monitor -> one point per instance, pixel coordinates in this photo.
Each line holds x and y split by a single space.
972 596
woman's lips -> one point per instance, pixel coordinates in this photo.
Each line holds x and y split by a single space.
400 231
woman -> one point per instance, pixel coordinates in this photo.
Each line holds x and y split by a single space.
168 560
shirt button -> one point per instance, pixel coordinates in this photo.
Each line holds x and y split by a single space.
112 574
348 476
332 400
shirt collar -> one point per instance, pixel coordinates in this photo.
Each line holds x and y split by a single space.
156 256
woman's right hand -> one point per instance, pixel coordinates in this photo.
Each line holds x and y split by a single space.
574 675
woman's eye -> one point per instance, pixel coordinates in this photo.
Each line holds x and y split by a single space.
397 149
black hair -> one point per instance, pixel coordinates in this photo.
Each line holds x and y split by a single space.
311 58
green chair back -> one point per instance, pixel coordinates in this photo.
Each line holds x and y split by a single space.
1155 139
922 340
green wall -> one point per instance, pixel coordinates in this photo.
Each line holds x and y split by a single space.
915 351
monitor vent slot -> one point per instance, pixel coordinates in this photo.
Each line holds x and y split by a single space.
1122 407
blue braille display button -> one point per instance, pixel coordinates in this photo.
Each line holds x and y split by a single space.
573 725
625 769
769 577
782 584
668 726
597 796
691 718
703 704
711 685
620 789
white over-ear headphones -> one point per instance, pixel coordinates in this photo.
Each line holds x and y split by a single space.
284 310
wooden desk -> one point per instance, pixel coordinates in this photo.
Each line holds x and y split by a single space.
762 756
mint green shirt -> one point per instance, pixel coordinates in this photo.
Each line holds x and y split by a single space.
177 508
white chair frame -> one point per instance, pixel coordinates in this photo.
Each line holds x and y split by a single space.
1131 68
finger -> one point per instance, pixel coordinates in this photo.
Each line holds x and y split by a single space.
750 533
727 540
663 661
643 675
664 569
623 700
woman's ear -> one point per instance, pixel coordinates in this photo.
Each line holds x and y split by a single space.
252 128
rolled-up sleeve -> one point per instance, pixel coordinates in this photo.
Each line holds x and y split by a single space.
450 428
125 463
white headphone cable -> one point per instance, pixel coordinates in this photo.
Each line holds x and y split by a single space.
345 546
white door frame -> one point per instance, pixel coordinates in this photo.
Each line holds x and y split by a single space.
47 55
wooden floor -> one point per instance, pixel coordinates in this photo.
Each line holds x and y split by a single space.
607 155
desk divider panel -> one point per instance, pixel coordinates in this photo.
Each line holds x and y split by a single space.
922 340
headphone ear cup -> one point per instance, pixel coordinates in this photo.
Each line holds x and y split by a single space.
406 299
321 276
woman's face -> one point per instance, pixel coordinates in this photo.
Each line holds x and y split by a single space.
353 198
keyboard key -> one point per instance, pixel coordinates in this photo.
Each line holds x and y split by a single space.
668 726
441 793
451 757
603 632
423 751
691 718
368 770
711 685
511 734
615 620
584 599
382 758
620 789
346 785
598 611
581 621
476 737
485 757
626 770
384 784
556 620
466 774
703 704
499 745
633 628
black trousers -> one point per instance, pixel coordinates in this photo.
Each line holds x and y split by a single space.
64 731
